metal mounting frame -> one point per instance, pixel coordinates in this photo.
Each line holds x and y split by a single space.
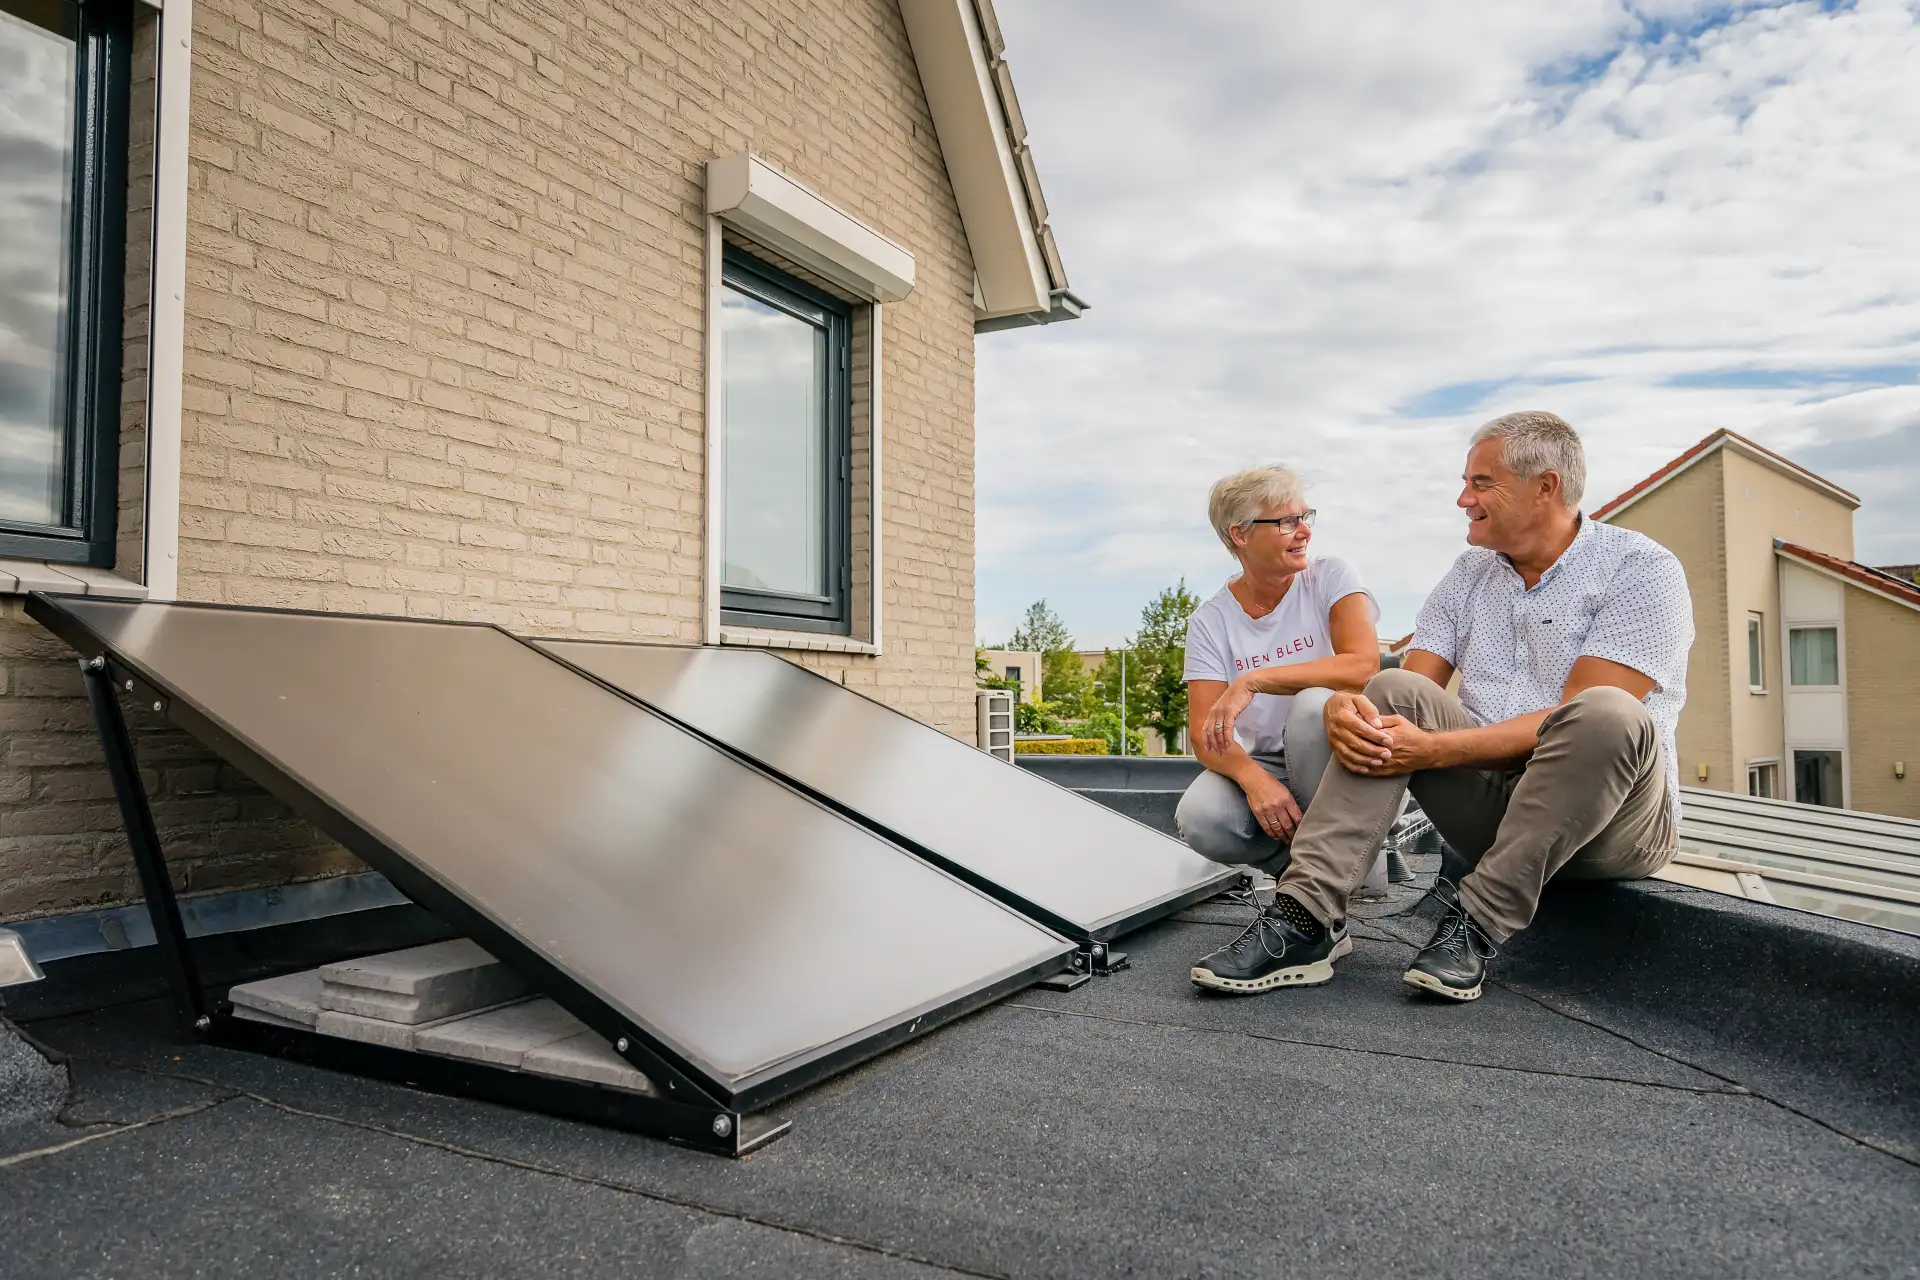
679 1080
1093 958
700 1122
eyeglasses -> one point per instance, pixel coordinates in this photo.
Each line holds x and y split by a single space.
1287 524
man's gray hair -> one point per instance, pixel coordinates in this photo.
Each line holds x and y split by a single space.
1243 495
1535 442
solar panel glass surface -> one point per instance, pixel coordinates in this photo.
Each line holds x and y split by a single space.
1089 869
743 926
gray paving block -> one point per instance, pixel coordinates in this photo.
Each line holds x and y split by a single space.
420 984
292 998
255 1015
585 1057
500 1036
395 1035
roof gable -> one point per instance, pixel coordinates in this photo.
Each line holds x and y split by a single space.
1725 439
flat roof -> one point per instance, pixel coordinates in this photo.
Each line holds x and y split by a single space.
1659 1081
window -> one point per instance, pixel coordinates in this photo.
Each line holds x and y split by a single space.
1763 779
785 355
1813 656
1756 654
63 154
1816 778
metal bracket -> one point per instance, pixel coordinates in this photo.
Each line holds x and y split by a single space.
705 1128
1092 958
148 857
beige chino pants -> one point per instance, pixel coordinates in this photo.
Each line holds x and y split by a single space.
1590 803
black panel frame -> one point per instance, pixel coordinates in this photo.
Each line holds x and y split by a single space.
1092 937
679 1080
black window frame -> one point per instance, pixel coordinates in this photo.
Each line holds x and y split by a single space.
830 612
92 368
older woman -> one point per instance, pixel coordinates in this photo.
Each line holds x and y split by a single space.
1263 657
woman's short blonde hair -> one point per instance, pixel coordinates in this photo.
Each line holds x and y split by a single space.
1243 495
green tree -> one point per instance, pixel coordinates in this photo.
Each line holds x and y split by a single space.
1156 689
985 677
1041 631
1063 675
1163 644
1105 723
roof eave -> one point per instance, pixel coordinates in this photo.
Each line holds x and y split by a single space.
1846 572
982 134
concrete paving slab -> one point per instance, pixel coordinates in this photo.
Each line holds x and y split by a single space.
586 1057
500 1036
292 998
420 984
255 1015
395 1035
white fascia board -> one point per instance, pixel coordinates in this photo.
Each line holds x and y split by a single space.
747 193
958 79
1814 566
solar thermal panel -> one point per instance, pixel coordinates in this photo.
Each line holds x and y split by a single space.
1074 864
659 888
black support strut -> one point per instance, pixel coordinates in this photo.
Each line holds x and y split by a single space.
137 816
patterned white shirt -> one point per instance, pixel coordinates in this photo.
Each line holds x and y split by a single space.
1612 594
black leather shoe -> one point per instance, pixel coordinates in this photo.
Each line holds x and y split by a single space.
1454 963
1283 947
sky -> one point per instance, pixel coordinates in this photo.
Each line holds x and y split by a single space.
1342 236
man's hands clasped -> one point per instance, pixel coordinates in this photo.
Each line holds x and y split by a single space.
1374 745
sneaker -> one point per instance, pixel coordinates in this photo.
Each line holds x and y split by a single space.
1283 947
1454 963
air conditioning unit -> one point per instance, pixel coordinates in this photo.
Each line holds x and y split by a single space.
994 718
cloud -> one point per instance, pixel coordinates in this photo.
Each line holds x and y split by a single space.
1343 236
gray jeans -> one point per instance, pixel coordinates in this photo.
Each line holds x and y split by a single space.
1214 818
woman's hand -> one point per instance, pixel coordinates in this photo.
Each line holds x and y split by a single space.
1226 709
1272 804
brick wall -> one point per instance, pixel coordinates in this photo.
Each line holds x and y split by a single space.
445 320
1883 690
1688 516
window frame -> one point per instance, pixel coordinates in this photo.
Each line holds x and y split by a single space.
1838 671
1768 769
1839 755
91 371
830 612
1756 652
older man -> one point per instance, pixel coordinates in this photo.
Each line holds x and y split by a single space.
1556 758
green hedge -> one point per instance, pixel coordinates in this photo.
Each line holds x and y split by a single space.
1063 747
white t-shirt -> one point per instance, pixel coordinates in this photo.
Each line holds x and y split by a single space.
1223 642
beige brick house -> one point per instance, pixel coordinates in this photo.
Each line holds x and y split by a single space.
1804 681
624 319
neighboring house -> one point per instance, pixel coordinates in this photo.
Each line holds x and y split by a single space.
1804 681
1020 666
640 322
